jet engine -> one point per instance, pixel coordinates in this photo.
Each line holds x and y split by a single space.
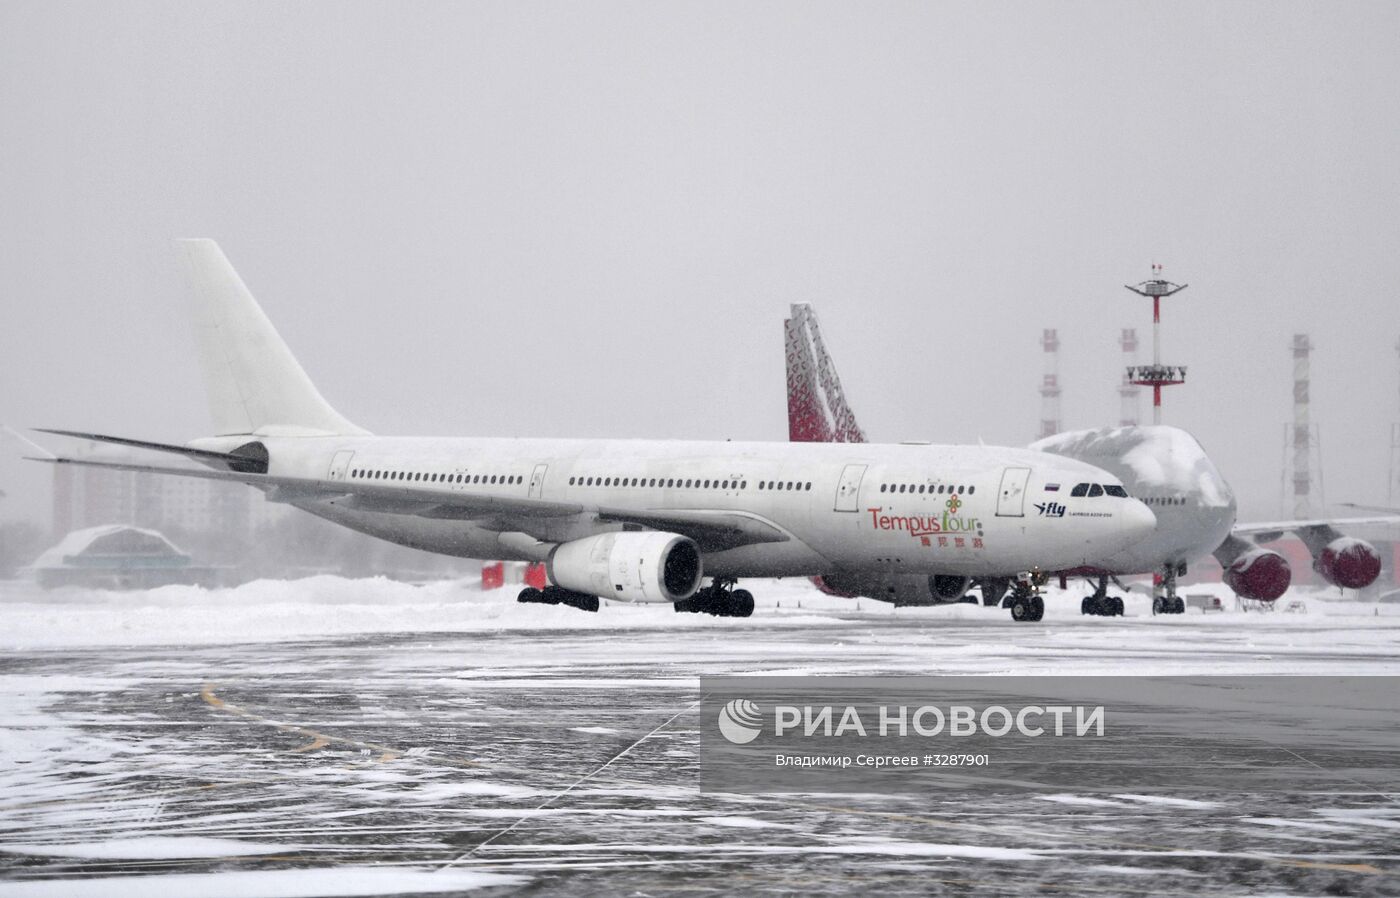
629 566
1348 562
1261 574
823 585
949 588
899 589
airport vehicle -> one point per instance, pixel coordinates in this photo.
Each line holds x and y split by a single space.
1163 466
633 520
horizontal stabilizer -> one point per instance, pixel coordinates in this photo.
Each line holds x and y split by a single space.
251 462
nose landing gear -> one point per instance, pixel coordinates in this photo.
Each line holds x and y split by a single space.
1025 601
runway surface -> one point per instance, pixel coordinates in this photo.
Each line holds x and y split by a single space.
557 759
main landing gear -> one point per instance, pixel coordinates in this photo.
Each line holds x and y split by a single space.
721 599
1101 603
555 595
1169 603
1025 601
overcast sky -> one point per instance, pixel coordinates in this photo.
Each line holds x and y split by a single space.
588 219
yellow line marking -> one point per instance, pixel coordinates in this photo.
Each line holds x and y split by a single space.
314 744
318 739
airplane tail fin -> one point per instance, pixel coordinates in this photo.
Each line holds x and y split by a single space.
817 409
255 384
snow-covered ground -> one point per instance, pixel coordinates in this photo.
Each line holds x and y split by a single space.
264 610
337 737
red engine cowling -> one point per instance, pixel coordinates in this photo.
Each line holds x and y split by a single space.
1349 563
1261 574
822 584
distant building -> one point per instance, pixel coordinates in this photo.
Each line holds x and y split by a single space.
88 497
117 556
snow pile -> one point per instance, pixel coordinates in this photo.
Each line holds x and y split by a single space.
267 610
327 606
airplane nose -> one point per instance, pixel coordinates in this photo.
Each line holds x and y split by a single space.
1138 520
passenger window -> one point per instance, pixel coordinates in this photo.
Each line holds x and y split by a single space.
809 486
743 484
1115 490
1080 490
940 489
971 490
1095 491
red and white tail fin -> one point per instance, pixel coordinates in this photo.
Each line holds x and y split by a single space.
817 409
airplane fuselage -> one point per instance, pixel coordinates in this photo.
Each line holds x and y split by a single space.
1167 469
919 509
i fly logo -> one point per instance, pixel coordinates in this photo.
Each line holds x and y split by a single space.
1050 509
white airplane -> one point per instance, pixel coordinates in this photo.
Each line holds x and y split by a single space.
631 520
1161 465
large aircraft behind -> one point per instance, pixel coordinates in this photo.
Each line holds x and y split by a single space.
630 520
1161 465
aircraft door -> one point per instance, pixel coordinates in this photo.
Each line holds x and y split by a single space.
537 481
340 464
1011 501
848 490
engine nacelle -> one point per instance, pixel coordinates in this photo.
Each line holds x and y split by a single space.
824 585
949 588
1349 563
628 566
900 589
1261 574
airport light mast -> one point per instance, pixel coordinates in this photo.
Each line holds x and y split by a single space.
1156 375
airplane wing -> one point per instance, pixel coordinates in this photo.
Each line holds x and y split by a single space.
1381 508
1272 530
712 531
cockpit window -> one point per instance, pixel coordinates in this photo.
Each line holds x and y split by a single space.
1095 490
1080 489
1114 490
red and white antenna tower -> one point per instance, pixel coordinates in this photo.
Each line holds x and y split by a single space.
1128 390
1157 375
1050 384
1302 443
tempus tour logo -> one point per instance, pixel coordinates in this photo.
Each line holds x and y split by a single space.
925 527
740 721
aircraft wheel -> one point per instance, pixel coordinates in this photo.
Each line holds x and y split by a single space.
1118 605
530 594
1086 605
741 603
1179 606
1037 608
1020 610
1159 605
